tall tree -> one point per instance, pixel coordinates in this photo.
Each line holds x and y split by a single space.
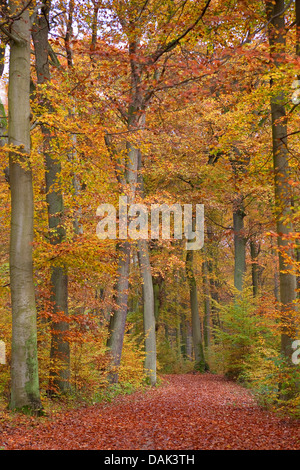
24 361
196 324
145 74
148 311
297 4
283 197
60 350
148 295
239 165
254 252
207 304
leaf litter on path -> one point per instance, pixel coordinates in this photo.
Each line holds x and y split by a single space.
187 412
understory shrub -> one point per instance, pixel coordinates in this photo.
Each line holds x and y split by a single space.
247 349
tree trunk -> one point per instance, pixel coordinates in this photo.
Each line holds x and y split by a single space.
196 324
60 350
298 277
254 266
281 176
184 336
239 244
212 261
24 362
128 186
148 294
275 268
3 117
156 292
297 4
118 317
149 317
207 305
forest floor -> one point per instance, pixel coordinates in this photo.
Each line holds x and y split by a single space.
186 412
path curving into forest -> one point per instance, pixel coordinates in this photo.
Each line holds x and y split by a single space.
188 412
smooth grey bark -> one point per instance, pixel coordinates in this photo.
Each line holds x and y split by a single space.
148 311
128 180
207 305
196 324
178 333
239 243
283 196
212 264
59 380
189 341
158 291
184 336
297 11
254 251
118 317
24 361
148 294
276 274
239 167
177 318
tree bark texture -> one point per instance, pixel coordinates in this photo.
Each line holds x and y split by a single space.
24 362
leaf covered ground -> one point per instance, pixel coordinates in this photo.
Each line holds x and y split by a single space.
187 412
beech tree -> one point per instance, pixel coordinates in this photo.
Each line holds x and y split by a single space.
196 324
146 72
60 350
283 197
24 362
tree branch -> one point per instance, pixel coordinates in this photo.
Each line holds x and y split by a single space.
53 57
162 50
11 19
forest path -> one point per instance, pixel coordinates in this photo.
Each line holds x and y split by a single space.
188 412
